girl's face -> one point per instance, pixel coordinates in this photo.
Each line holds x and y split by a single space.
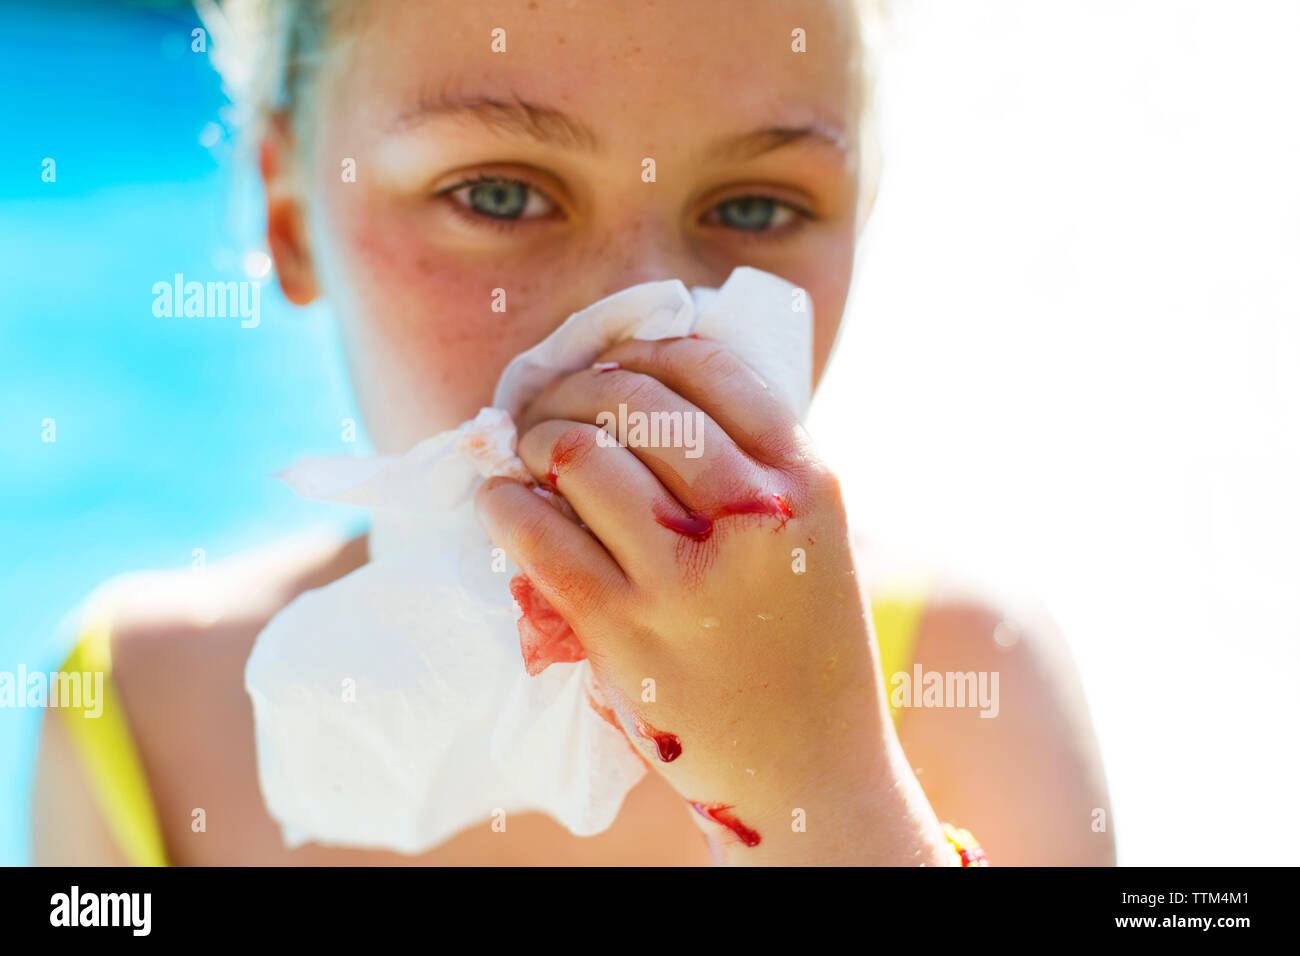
559 152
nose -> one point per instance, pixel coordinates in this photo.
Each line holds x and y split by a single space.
645 250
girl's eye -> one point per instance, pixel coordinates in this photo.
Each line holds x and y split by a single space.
752 214
498 198
505 202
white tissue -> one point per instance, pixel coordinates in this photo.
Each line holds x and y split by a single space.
392 707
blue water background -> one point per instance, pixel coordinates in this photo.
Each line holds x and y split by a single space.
165 429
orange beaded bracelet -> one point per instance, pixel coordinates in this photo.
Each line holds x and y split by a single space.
965 846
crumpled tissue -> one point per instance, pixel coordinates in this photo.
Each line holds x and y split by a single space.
392 706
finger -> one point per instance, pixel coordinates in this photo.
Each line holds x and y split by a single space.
614 493
687 452
570 568
712 378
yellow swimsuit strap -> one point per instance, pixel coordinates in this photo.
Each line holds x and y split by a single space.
898 620
109 755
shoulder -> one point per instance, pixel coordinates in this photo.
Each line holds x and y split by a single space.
248 588
176 629
179 641
999 732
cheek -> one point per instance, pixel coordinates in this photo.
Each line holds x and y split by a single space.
428 329
826 278
827 317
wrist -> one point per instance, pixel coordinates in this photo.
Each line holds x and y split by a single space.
870 817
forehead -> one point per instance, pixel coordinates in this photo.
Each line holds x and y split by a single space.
632 71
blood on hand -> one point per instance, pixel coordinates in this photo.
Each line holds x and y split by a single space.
545 638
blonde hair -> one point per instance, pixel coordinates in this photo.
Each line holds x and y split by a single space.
268 53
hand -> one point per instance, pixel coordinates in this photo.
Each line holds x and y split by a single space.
711 584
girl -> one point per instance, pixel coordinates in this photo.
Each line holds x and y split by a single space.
503 144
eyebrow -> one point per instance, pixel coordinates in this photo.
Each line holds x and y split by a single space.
551 127
509 115
752 145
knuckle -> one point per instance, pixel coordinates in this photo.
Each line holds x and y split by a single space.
582 592
664 353
776 443
573 443
822 483
628 387
531 532
714 362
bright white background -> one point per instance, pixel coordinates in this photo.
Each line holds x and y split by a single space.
1072 369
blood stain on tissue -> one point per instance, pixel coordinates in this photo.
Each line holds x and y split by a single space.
604 711
545 638
670 748
720 813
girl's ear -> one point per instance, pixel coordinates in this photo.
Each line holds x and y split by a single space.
286 232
